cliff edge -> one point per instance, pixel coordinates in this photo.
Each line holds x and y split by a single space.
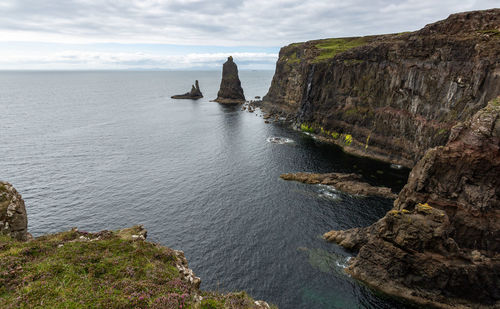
440 244
108 269
397 95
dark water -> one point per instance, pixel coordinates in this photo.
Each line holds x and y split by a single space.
106 150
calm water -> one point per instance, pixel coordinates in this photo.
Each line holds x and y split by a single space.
107 150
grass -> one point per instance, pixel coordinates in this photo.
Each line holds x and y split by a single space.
293 59
101 270
331 47
348 139
305 128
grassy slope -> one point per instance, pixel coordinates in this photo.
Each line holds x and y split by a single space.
102 270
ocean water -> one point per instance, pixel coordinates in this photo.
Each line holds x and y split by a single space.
107 150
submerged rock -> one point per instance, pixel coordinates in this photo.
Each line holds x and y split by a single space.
13 218
230 91
440 244
348 183
194 94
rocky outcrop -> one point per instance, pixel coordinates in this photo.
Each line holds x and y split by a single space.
397 95
13 218
230 91
135 273
440 244
194 94
348 183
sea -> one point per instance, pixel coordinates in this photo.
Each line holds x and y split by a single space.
110 149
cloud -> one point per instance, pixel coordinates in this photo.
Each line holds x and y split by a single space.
196 23
121 60
216 22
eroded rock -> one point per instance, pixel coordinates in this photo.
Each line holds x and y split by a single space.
13 218
194 94
230 91
440 244
348 183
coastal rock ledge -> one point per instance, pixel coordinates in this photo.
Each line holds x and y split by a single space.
348 183
440 244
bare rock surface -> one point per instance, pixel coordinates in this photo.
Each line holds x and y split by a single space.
13 218
194 94
440 244
348 183
230 91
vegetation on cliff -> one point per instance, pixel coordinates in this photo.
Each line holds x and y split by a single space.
118 269
397 95
329 48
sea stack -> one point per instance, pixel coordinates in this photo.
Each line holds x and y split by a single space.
230 91
194 94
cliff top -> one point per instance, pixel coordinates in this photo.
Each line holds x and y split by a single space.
483 25
102 270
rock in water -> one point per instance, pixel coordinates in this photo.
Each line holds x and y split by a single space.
13 218
194 94
230 91
348 183
440 244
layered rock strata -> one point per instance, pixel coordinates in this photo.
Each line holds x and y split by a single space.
230 91
13 218
397 95
194 94
440 244
348 183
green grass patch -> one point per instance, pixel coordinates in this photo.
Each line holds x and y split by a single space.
305 128
101 270
331 47
293 59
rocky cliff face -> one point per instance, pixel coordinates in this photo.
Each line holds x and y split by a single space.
396 94
13 218
440 245
230 87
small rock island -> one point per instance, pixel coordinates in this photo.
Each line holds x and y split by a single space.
230 91
194 94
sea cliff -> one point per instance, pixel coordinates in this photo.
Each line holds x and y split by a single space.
397 95
440 244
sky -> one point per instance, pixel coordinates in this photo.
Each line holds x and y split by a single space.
193 34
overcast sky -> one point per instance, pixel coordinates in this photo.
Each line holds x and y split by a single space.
193 34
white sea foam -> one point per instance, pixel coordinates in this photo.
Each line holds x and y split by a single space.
280 140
